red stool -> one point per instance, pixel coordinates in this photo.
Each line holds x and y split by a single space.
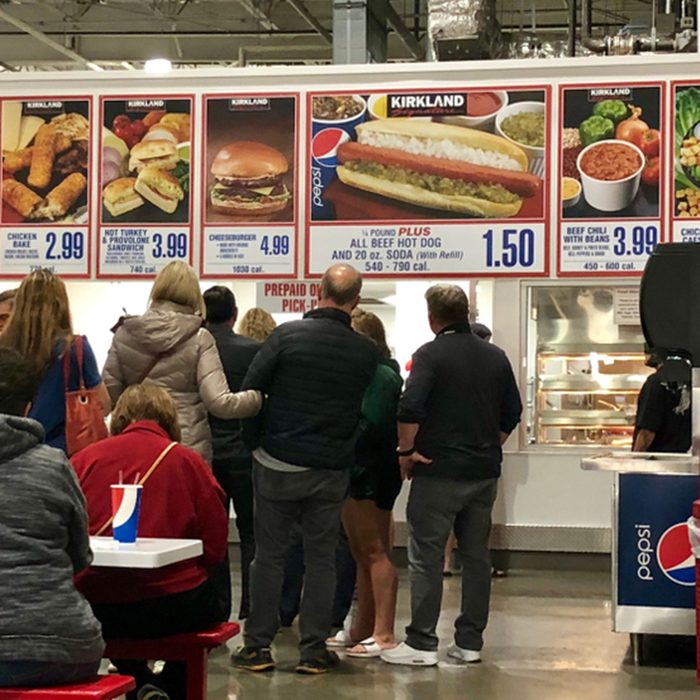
192 648
105 688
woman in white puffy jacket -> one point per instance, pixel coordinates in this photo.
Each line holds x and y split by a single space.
169 347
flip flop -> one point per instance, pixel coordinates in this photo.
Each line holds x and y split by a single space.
341 640
372 650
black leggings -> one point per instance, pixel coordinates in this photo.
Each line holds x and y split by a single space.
189 611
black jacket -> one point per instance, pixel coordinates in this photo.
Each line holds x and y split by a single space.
463 393
314 372
236 352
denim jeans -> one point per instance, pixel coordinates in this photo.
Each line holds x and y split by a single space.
37 674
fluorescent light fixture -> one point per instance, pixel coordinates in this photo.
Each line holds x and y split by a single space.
158 66
94 66
127 65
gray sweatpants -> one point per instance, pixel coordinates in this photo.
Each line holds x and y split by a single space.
435 507
313 498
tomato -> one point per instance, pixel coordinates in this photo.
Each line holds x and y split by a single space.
650 143
138 127
126 134
120 120
650 174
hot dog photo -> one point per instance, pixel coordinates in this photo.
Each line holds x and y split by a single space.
250 147
611 150
45 161
476 154
145 160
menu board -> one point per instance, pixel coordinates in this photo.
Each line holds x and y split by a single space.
685 187
45 214
431 182
610 184
145 212
250 201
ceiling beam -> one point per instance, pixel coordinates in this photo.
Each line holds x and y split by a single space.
264 21
44 39
404 33
311 20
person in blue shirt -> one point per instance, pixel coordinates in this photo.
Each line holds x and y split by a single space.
40 329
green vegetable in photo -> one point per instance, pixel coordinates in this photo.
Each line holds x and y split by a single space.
614 110
596 128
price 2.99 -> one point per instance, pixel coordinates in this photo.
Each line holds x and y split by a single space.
69 245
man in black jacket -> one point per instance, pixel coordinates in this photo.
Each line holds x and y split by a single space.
233 463
460 404
314 373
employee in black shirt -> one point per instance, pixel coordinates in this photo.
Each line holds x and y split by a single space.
460 404
233 463
663 412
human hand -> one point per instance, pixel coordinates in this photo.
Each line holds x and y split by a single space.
408 463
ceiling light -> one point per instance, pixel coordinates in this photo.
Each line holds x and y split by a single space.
127 65
158 66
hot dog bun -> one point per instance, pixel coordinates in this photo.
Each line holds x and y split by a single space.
425 198
438 166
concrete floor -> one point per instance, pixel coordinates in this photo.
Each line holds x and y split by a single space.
548 638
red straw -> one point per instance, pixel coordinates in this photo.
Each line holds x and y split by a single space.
121 476
136 478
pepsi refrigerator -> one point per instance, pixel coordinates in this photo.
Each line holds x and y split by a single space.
653 568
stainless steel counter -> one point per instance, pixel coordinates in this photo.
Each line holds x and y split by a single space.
641 463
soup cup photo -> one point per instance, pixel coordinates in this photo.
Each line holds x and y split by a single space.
610 194
480 121
345 123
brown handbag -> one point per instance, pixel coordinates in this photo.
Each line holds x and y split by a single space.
85 423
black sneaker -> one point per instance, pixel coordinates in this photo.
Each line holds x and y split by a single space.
323 662
253 659
150 692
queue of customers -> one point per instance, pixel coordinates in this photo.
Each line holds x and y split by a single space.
286 425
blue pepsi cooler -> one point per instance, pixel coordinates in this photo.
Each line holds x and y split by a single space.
126 504
327 135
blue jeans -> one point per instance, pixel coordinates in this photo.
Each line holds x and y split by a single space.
38 674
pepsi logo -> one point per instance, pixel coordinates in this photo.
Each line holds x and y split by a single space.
325 144
675 556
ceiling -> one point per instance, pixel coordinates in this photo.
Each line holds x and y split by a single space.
65 34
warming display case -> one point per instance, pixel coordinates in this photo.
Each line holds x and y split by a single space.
585 365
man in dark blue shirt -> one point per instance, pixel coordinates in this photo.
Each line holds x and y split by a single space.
460 404
233 463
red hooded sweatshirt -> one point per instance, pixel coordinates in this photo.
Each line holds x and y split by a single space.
181 499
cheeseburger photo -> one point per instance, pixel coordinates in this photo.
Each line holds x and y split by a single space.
248 180
438 166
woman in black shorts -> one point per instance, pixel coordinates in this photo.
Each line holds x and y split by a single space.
374 485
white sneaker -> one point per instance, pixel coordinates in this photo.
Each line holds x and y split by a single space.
405 655
468 656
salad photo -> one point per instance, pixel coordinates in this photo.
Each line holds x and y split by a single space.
145 160
610 152
686 153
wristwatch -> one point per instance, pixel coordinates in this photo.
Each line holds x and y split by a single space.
405 453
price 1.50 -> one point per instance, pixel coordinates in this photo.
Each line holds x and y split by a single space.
640 240
510 247
69 245
275 245
173 245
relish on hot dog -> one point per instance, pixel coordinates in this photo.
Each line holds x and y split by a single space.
438 166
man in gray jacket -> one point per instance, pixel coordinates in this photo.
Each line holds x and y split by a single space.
48 634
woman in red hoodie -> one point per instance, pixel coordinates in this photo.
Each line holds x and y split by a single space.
180 499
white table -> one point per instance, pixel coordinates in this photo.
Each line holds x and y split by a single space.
145 553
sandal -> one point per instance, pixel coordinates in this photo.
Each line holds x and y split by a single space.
372 650
341 640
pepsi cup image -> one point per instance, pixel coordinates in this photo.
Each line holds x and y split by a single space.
333 122
126 504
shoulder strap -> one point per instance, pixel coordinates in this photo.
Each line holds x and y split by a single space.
67 356
152 364
143 480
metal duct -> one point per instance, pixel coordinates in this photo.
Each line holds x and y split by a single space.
463 29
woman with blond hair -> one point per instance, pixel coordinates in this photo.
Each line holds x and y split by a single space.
257 324
169 347
40 329
375 482
180 499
